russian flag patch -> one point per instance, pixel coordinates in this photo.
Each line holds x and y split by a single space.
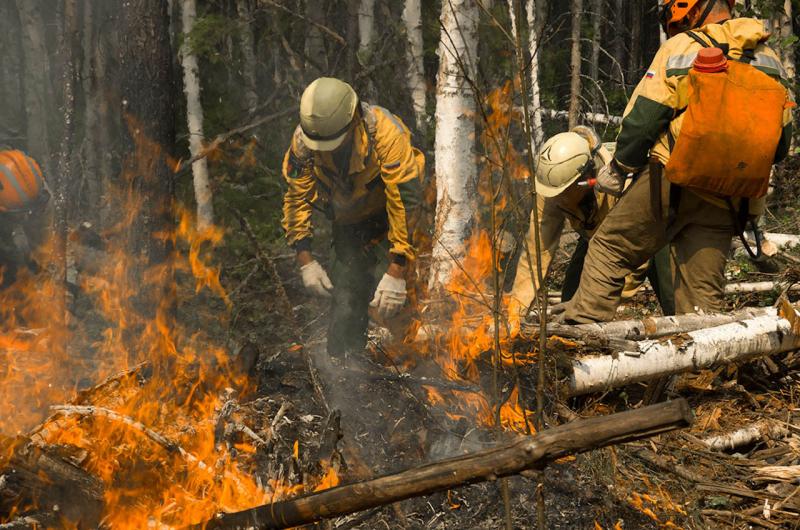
650 74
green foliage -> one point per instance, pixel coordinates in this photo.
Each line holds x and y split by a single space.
209 34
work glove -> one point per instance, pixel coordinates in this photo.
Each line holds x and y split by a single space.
390 296
611 179
316 280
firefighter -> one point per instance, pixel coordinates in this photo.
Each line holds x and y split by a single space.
565 172
699 216
23 199
355 162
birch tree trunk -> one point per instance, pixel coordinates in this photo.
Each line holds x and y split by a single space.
366 28
575 64
415 75
737 341
194 117
456 169
248 54
534 33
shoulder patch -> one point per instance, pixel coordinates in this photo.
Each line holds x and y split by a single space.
680 64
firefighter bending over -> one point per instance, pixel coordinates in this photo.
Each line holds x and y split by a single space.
702 130
566 172
354 162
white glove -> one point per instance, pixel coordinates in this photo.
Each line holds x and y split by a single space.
390 296
316 280
610 179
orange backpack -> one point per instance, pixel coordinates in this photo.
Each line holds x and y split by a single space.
731 129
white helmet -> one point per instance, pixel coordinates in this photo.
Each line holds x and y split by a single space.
566 157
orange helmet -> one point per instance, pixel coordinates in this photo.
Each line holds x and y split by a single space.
673 12
22 185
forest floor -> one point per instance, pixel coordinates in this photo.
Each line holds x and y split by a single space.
304 423
365 419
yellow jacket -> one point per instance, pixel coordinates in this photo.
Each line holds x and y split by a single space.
655 108
384 175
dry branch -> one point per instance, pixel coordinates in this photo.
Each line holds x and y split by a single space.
36 475
758 287
524 454
737 341
747 435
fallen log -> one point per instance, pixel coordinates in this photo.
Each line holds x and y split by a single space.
759 287
737 341
34 475
746 435
524 454
655 327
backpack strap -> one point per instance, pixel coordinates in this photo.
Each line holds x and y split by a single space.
740 224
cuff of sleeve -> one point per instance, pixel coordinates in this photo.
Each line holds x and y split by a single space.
624 167
398 259
301 245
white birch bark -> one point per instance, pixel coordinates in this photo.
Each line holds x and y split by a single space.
415 76
456 168
746 435
700 349
533 45
655 327
194 116
366 28
536 110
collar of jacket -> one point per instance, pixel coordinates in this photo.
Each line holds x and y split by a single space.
741 33
358 153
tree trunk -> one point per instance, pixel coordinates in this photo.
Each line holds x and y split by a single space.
575 64
704 348
635 57
38 104
456 170
784 29
12 111
415 75
194 117
655 327
366 28
317 59
598 13
534 39
146 85
526 453
619 41
249 63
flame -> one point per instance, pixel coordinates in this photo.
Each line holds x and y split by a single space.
469 332
150 440
330 479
